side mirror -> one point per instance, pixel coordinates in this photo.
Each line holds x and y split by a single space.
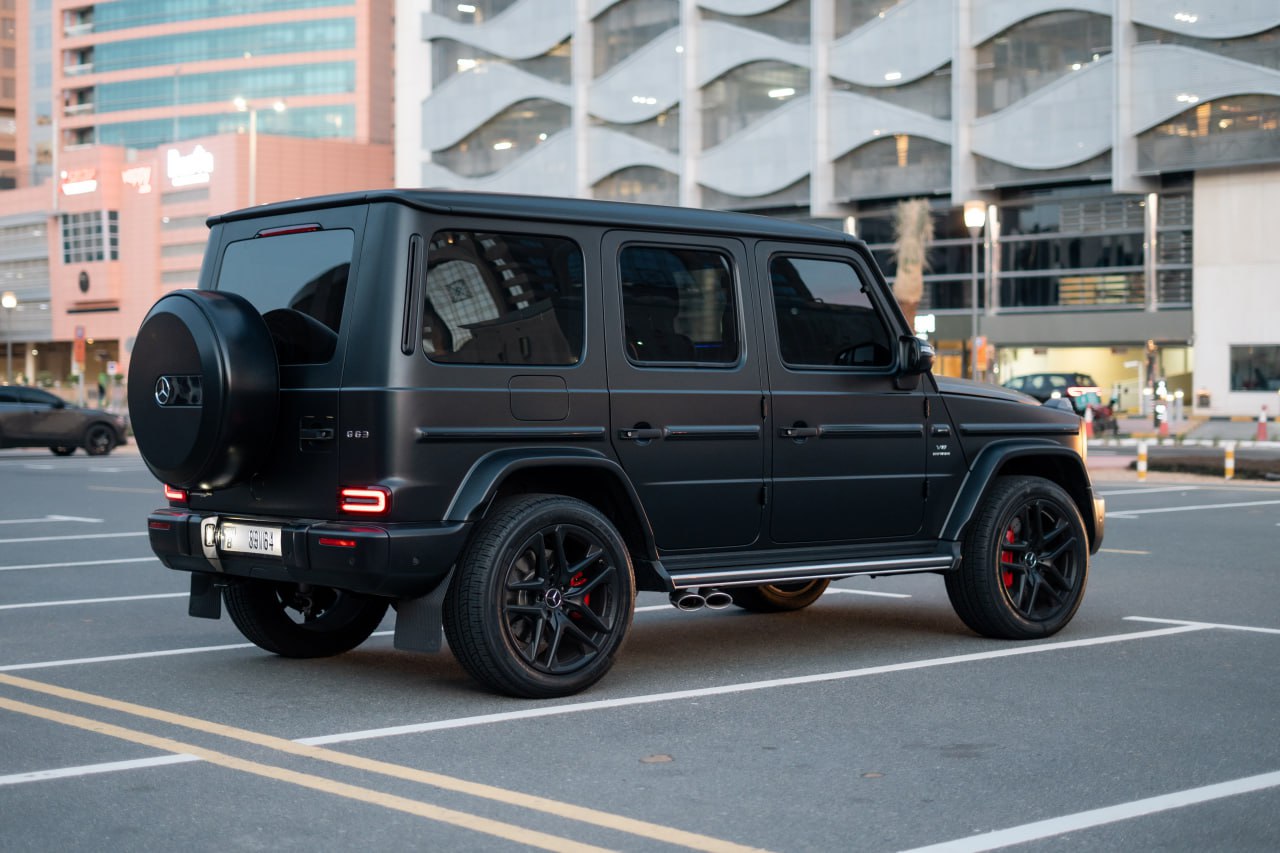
1060 403
917 355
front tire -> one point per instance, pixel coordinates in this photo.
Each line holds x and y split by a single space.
543 598
98 440
299 621
62 451
1025 562
779 597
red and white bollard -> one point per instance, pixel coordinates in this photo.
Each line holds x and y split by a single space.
1142 461
1088 421
1262 424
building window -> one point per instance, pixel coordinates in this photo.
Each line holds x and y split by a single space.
449 57
628 26
744 95
788 22
1229 131
1255 368
504 138
92 236
503 299
645 184
678 306
1032 54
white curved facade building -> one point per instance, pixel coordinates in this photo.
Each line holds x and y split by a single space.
1108 140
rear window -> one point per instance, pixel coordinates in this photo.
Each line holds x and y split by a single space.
298 282
503 299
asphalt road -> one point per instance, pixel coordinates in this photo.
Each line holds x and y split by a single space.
871 721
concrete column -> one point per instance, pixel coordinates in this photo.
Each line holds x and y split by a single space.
690 107
1124 135
821 170
582 50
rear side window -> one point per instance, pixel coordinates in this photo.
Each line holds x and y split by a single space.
825 316
678 306
503 299
298 282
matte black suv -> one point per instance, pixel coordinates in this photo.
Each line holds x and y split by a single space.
504 415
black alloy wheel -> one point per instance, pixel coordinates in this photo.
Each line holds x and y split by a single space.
302 621
779 597
98 440
1026 562
543 598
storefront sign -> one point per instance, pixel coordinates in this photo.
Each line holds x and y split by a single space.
78 181
185 170
138 177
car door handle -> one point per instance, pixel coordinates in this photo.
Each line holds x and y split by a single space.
798 432
639 434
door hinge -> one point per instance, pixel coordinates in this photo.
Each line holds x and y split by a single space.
764 496
764 408
927 408
924 490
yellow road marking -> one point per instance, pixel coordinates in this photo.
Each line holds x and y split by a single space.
1121 551
510 832
607 820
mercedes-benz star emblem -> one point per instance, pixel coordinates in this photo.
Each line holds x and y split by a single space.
164 391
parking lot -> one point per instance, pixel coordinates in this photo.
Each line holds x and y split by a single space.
871 721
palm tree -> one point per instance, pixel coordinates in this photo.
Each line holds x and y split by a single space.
913 232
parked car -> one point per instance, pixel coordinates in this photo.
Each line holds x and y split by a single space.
32 417
503 415
1078 388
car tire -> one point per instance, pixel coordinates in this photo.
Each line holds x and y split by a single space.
1025 561
203 389
99 439
542 599
779 597
295 621
62 451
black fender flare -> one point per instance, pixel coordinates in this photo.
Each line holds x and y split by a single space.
482 482
1024 455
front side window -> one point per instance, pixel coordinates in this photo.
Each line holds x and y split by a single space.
825 315
678 306
298 282
503 299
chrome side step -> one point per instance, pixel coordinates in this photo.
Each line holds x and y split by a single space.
717 577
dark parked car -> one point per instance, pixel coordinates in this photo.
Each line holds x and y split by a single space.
503 415
1077 388
31 417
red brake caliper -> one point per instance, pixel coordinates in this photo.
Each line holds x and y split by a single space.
576 581
1007 557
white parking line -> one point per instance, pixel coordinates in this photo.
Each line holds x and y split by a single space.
51 518
742 687
1130 513
1224 627
73 565
91 769
69 538
1098 817
1149 491
92 600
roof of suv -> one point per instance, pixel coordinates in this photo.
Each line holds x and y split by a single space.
555 209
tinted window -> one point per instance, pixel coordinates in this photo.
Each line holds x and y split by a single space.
678 305
38 397
503 299
825 316
8 395
298 282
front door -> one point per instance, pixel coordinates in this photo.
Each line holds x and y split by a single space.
685 396
848 444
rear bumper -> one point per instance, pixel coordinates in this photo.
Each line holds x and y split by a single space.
392 560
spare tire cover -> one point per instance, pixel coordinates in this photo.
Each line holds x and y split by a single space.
203 389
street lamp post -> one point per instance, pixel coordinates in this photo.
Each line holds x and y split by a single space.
975 217
8 301
243 105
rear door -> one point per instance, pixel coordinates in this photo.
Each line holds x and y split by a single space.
848 445
300 271
685 397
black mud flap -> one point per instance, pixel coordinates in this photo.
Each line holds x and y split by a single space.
206 596
420 621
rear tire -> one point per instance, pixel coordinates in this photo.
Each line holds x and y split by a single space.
1025 562
295 621
62 451
779 597
542 599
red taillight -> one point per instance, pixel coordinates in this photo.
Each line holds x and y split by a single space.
330 542
159 525
371 500
175 495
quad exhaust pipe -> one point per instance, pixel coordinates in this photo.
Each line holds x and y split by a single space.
695 599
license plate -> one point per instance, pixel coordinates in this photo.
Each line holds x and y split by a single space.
251 539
